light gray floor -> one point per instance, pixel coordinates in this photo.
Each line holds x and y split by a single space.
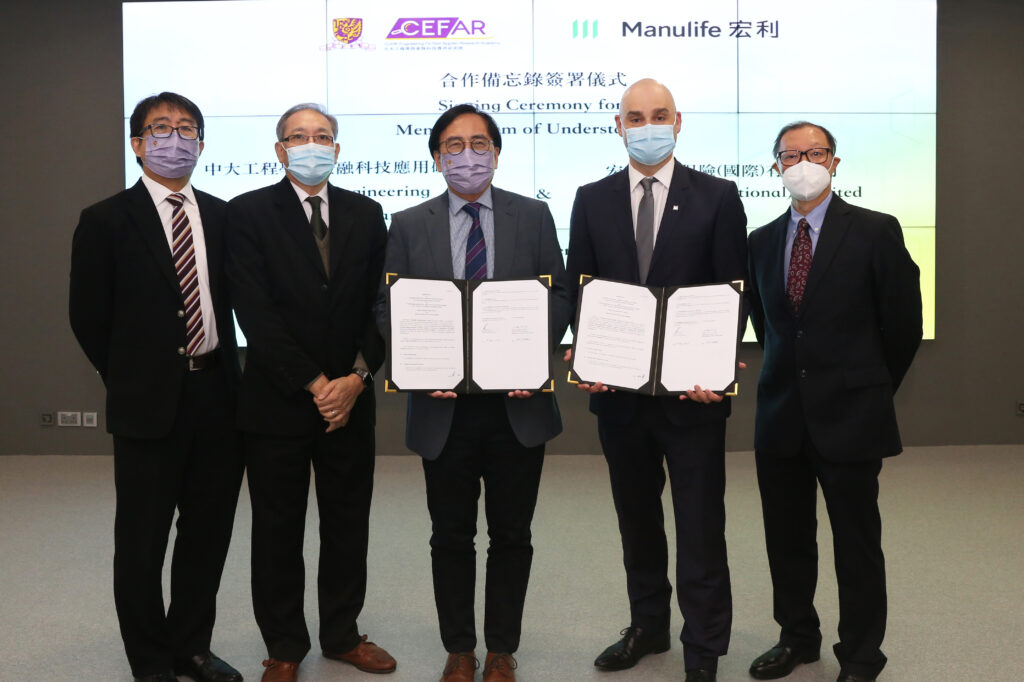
952 518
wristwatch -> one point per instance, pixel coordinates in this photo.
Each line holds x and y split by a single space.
363 374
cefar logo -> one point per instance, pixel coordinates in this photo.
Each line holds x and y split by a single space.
348 30
436 28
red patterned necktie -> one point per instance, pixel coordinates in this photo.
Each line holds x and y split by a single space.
799 265
184 254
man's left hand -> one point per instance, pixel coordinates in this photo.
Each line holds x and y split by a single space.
336 399
705 396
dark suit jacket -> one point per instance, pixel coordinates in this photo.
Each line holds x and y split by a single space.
701 240
834 367
125 301
299 322
525 245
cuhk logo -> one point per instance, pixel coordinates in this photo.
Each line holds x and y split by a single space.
422 28
348 30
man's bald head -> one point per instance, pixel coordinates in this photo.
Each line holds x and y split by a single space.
644 92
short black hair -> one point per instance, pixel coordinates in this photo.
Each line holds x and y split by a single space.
171 99
795 125
445 120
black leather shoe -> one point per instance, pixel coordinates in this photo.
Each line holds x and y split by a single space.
779 661
158 677
700 675
207 667
634 645
850 677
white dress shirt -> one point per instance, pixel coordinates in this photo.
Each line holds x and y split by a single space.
659 189
165 209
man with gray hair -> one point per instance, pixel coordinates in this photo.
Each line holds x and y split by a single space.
304 261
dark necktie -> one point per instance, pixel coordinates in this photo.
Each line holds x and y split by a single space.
183 252
476 250
645 230
316 219
799 265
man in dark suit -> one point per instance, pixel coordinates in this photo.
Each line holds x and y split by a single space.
477 231
149 308
662 224
836 305
304 261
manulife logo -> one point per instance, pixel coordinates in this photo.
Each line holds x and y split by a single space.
589 29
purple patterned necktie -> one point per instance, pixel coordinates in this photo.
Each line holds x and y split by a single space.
476 250
799 265
184 254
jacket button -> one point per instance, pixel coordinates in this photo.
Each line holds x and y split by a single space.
803 374
181 313
799 333
181 350
323 287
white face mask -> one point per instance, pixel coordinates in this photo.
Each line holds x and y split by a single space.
807 180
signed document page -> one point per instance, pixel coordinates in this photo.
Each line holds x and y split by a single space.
510 335
615 334
427 344
700 338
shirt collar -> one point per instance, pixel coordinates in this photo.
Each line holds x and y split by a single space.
455 202
815 218
160 193
664 175
303 194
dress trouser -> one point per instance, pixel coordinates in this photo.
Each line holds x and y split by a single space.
196 469
637 453
279 471
789 502
482 446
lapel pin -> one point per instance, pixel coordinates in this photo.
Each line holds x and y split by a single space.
675 207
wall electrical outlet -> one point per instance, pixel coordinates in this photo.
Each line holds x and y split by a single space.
69 419
46 419
89 419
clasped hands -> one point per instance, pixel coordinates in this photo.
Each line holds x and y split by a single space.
698 394
334 398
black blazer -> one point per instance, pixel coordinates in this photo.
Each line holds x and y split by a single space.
297 321
834 367
701 240
125 301
525 245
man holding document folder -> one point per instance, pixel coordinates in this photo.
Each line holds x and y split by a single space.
475 231
661 224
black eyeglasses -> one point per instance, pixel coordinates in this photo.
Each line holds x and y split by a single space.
791 157
162 130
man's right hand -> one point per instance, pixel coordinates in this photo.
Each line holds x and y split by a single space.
596 387
444 395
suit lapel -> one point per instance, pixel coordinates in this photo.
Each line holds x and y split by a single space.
833 229
506 229
212 239
671 224
145 217
773 263
296 225
439 235
340 226
619 209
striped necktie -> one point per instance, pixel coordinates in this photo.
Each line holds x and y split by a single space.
184 254
476 250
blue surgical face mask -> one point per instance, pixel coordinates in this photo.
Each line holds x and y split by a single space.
650 144
310 163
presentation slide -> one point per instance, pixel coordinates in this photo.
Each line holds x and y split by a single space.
552 75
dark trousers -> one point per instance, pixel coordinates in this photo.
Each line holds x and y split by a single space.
637 454
278 472
196 469
789 502
481 445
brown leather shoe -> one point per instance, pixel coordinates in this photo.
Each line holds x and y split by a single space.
366 656
280 671
499 668
460 667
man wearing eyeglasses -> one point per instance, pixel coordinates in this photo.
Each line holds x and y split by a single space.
477 231
148 304
304 260
836 305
